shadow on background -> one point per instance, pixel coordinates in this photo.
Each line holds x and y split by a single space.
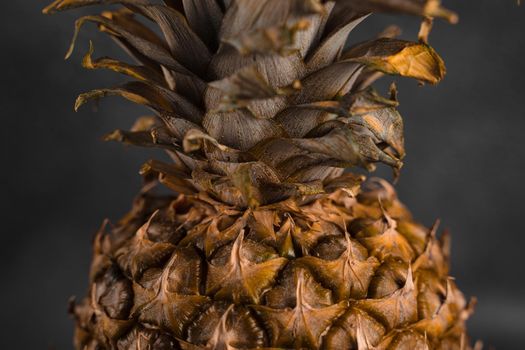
465 164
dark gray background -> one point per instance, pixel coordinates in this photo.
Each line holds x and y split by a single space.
465 165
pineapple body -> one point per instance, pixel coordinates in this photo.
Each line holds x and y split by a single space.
339 271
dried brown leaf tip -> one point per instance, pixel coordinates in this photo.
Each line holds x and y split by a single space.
404 58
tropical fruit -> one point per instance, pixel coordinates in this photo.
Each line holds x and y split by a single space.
265 241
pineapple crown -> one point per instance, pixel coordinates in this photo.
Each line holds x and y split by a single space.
257 101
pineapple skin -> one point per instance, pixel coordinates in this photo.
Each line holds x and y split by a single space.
345 270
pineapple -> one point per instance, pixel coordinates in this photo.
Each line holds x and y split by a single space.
265 241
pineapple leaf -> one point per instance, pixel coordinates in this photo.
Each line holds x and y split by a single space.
159 99
141 73
177 126
425 8
185 46
399 57
140 138
329 82
253 26
332 45
205 18
151 50
169 175
359 103
230 128
247 83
